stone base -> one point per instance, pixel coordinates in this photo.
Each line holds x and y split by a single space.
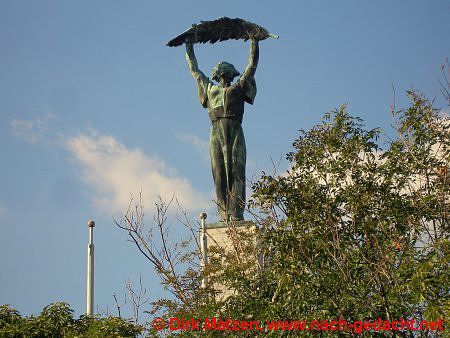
223 236
218 225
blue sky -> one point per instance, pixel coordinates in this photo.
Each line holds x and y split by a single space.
94 106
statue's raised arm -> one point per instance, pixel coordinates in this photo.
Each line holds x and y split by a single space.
253 59
247 80
201 79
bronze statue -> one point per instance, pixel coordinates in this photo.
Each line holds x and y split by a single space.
225 103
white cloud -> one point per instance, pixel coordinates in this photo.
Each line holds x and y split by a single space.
114 172
201 145
34 130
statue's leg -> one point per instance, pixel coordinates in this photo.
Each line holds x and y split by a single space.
218 168
226 139
238 157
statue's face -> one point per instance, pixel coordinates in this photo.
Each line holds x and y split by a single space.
224 72
226 79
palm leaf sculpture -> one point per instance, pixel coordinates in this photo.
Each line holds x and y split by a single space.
220 30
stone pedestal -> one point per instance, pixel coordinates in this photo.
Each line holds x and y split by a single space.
231 238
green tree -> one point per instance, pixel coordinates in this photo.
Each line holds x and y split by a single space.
56 320
357 229
360 232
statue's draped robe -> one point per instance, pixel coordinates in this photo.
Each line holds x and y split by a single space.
227 143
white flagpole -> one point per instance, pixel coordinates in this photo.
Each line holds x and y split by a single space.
203 246
90 271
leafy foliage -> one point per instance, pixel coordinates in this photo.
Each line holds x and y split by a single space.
56 320
363 232
350 231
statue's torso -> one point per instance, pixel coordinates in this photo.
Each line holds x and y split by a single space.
226 102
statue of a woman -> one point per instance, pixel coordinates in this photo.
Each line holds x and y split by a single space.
225 102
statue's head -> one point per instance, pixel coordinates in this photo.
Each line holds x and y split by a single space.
224 70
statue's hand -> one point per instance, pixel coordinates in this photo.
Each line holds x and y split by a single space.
191 38
253 41
251 37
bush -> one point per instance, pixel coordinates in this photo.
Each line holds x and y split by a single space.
56 320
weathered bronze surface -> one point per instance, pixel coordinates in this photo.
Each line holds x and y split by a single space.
225 103
220 30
